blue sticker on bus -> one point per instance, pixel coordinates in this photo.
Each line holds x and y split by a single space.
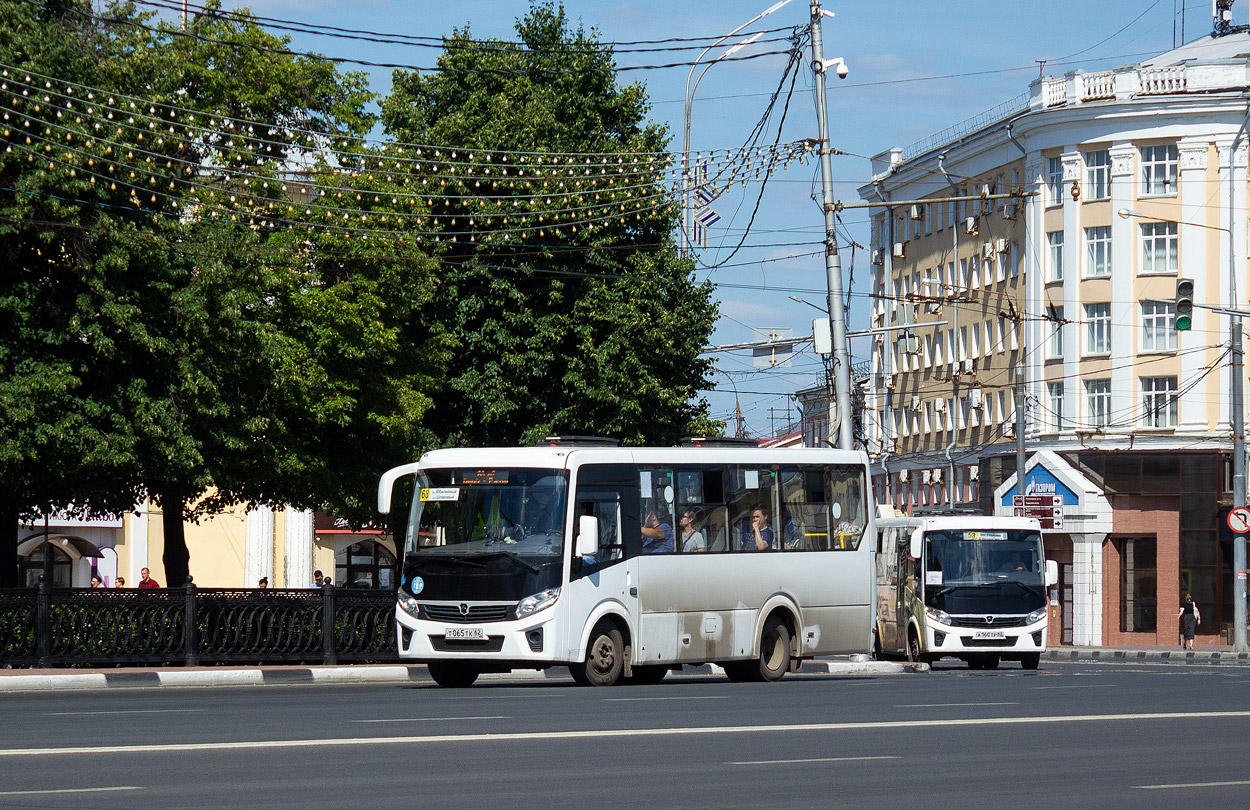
418 585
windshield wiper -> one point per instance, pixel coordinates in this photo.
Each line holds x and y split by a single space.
514 558
1023 587
449 558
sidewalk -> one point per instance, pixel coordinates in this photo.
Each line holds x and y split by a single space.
27 680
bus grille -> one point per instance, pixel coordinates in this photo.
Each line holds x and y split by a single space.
1010 641
477 613
490 644
980 622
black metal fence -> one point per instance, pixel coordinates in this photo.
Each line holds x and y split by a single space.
194 626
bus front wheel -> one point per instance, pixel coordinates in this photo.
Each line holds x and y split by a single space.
604 658
913 647
1030 660
452 674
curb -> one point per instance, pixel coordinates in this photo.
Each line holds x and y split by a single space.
1148 656
132 679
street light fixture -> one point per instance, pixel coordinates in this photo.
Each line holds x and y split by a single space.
687 224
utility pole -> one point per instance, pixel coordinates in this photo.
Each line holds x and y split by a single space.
840 402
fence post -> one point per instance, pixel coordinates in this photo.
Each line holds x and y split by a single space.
328 650
43 621
189 641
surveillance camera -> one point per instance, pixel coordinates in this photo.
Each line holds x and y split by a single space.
843 70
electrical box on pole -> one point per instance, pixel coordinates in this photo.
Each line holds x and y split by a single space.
1184 303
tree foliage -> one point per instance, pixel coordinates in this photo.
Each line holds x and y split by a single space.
590 325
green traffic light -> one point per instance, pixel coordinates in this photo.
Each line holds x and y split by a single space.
1183 322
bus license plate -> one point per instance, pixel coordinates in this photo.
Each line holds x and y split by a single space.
465 633
989 634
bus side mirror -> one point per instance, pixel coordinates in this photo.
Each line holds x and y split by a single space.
916 549
587 535
1052 573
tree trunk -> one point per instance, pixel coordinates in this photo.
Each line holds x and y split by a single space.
10 572
176 558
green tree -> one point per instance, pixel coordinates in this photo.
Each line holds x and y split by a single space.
170 325
560 284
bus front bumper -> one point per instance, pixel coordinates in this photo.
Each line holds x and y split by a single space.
952 639
527 640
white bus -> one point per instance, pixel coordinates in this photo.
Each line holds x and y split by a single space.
583 554
974 588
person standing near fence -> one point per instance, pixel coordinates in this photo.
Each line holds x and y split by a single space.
146 581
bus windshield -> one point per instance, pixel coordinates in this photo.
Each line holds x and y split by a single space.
975 571
464 513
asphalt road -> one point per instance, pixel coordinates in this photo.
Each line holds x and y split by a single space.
1067 735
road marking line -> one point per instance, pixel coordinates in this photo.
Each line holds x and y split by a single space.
433 719
1081 686
691 697
126 711
67 790
245 745
939 705
1193 785
801 761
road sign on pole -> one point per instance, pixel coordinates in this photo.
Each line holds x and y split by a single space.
1239 520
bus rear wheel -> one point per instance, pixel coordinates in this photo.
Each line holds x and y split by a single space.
604 659
452 674
774 650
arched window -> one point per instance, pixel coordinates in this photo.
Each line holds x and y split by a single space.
60 567
366 564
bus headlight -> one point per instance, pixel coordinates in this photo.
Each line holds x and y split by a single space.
939 616
408 603
535 603
1036 616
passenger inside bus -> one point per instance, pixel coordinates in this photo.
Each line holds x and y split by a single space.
757 535
657 531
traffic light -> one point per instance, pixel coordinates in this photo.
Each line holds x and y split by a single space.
1184 303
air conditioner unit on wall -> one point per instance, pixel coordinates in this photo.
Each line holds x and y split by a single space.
915 402
987 250
974 473
926 477
939 405
900 250
917 212
1009 211
974 398
878 257
937 475
1000 245
902 476
970 226
1009 429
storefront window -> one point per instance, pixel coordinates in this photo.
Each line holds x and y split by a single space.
59 567
366 564
1138 585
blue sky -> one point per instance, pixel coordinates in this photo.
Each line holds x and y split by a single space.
915 68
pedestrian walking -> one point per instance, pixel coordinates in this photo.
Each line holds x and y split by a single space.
1189 617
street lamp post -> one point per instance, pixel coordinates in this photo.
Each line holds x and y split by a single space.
1236 396
687 220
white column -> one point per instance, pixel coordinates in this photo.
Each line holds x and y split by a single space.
1073 239
137 541
1192 408
1125 249
1033 264
1087 589
297 542
1221 295
258 546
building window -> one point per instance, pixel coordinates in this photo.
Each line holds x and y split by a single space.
1098 328
1138 585
1055 344
1015 260
1097 175
1158 247
1054 181
1054 392
1054 256
1158 402
1098 252
1158 325
1158 170
1098 402
366 564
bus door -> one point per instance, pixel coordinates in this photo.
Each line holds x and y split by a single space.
891 588
610 576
